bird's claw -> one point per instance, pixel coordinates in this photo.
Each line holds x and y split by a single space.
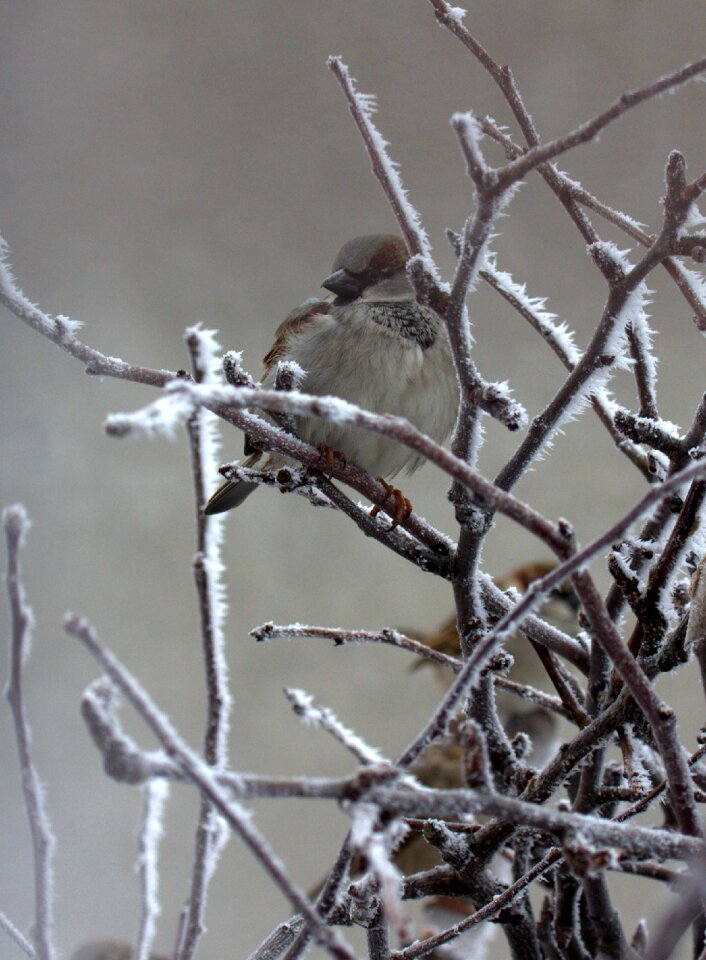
331 457
403 506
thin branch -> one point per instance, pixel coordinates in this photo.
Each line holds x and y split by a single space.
222 400
19 938
155 794
640 340
421 947
202 776
341 637
538 589
362 108
16 524
448 17
207 567
323 717
61 332
270 631
569 190
589 130
396 538
533 627
561 342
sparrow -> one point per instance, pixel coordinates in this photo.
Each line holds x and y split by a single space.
372 344
109 950
516 715
440 766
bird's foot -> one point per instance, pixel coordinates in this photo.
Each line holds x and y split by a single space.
332 457
403 506
461 905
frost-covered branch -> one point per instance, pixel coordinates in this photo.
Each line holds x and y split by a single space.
362 107
270 631
561 341
422 269
211 831
16 936
691 284
155 794
202 776
449 17
16 524
223 399
541 587
323 717
454 804
62 332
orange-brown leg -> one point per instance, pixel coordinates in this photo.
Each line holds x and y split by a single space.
403 506
331 456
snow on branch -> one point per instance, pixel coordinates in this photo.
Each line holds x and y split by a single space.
393 805
339 411
155 794
363 107
203 777
16 525
303 705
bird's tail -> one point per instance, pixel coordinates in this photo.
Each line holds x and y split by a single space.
228 496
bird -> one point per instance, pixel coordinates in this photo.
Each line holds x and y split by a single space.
519 716
109 950
440 766
369 343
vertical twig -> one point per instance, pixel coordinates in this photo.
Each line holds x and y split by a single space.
155 794
16 524
211 834
203 777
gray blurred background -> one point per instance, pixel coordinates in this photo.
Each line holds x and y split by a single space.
168 162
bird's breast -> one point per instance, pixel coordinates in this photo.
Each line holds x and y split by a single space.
350 354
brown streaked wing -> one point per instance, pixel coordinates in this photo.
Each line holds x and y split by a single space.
295 321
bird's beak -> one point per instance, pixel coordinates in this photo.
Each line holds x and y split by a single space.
343 284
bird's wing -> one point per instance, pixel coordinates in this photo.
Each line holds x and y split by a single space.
295 322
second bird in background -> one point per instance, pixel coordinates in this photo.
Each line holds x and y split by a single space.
560 609
371 344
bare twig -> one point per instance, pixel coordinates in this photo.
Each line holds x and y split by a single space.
223 399
563 186
453 804
448 17
341 637
211 833
202 776
14 934
560 340
155 793
530 599
323 717
16 524
362 107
